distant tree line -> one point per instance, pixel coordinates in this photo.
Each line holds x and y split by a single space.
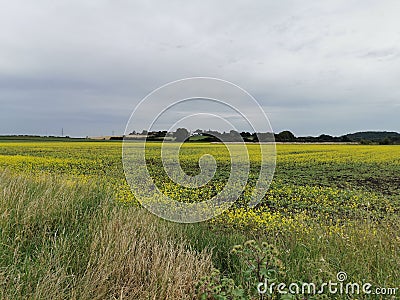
376 137
199 135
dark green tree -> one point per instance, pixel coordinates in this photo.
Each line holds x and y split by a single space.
285 136
181 134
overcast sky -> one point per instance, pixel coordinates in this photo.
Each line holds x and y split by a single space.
315 66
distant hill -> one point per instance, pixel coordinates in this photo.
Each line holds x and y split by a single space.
374 136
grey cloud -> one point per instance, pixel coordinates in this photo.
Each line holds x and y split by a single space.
312 65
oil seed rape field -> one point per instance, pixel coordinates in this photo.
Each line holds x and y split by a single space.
330 208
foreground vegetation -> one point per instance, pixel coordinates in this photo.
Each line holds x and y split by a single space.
60 239
70 228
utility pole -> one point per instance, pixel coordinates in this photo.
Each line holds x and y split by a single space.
62 131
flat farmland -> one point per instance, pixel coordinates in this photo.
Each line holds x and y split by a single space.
329 209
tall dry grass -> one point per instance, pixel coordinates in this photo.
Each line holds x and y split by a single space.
60 239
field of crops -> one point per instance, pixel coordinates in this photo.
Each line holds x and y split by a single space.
330 208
